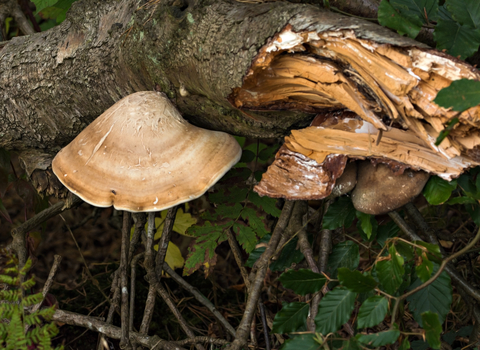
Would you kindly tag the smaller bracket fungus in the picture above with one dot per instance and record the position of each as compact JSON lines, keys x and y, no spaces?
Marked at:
{"x":140,"y":155}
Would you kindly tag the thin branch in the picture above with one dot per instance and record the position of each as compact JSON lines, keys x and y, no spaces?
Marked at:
{"x":265,"y":327}
{"x":164,"y":241}
{"x":434,"y":277}
{"x":237,"y":253}
{"x":200,"y":297}
{"x":200,"y":339}
{"x":261,"y":267}
{"x":94,"y":324}
{"x":124,"y":341}
{"x":450,"y":269}
{"x":133,"y":278}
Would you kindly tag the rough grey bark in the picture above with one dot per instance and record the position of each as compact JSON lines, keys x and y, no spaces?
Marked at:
{"x":53,"y":84}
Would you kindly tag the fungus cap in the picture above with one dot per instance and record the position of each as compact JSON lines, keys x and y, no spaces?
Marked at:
{"x":141,"y":155}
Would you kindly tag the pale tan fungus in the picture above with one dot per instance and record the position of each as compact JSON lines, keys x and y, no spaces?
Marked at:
{"x":140,"y":155}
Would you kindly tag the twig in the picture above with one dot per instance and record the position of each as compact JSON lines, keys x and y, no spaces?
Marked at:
{"x":200,"y":339}
{"x":139,"y":220}
{"x":48,"y":284}
{"x":111,"y":331}
{"x":265,"y":327}
{"x":18,"y":234}
{"x":163,"y":293}
{"x":260,"y":266}
{"x":237,"y":253}
{"x":133,"y":278}
{"x":450,"y":269}
{"x":200,"y":297}
{"x":148,"y":311}
{"x":125,"y":319}
{"x":253,"y":334}
{"x":164,"y":241}
{"x":325,"y":248}
{"x":434,"y":277}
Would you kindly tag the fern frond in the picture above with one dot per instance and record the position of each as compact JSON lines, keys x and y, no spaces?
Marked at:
{"x":16,"y":339}
{"x":10,"y":295}
{"x":29,"y":283}
{"x":11,"y":281}
{"x":33,"y":299}
{"x":11,"y":271}
{"x":26,"y":267}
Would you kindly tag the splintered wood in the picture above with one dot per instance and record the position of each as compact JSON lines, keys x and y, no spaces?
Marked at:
{"x":391,"y":88}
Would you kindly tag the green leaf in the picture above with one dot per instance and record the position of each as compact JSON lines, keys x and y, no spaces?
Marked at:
{"x":389,"y":17}
{"x":445,"y":132}
{"x":339,"y":214}
{"x":405,"y":345}
{"x":458,"y":40}
{"x":245,"y":236}
{"x":365,"y":223}
{"x":254,"y":255}
{"x":303,"y":281}
{"x":432,"y":248}
{"x":437,"y":191}
{"x":380,"y":338}
{"x":290,"y":318}
{"x":424,"y":269}
{"x":418,"y":11}
{"x":344,"y":254}
{"x":474,"y":211}
{"x":355,"y":281}
{"x":405,"y":250}
{"x":303,"y":341}
{"x":41,"y":4}
{"x":433,"y":329}
{"x":265,"y":203}
{"x":460,"y":95}
{"x":255,"y":221}
{"x":183,"y":221}
{"x":461,"y":200}
{"x":372,"y":311}
{"x":334,"y":310}
{"x":351,"y":344}
{"x":290,"y":255}
{"x":387,"y":231}
{"x":436,"y":297}
{"x":465,"y":12}
{"x":390,"y":272}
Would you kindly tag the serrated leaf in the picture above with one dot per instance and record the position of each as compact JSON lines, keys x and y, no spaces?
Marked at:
{"x":438,"y":191}
{"x":390,"y":272}
{"x":355,"y":281}
{"x":436,"y":297}
{"x":289,"y":255}
{"x":466,"y":12}
{"x":380,"y":338}
{"x":418,"y":11}
{"x":290,"y":318}
{"x":458,"y":40}
{"x":258,"y":251}
{"x":231,"y":195}
{"x":303,"y":281}
{"x":372,"y":311}
{"x":245,"y":236}
{"x":387,"y":231}
{"x":424,"y":269}
{"x":344,"y":254}
{"x":365,"y":223}
{"x":433,"y":329}
{"x":460,"y":95}
{"x":389,"y":17}
{"x":266,"y":203}
{"x":334,"y":310}
{"x":303,"y":341}
{"x":339,"y":214}
{"x":255,"y":221}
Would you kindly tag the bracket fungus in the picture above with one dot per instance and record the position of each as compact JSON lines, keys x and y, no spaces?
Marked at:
{"x":374,"y":98}
{"x":140,"y":155}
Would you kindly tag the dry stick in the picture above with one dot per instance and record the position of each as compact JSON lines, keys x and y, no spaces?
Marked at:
{"x":148,"y":262}
{"x":253,"y":333}
{"x":450,"y":269}
{"x":133,"y":277}
{"x":124,"y":341}
{"x":237,"y":253}
{"x":201,"y":339}
{"x":434,"y":277}
{"x":139,"y":221}
{"x":325,"y":248}
{"x":19,"y":233}
{"x":200,"y":297}
{"x":48,"y":284}
{"x":164,"y":294}
{"x":164,"y":241}
{"x":265,"y":327}
{"x":94,"y":324}
{"x":261,"y":267}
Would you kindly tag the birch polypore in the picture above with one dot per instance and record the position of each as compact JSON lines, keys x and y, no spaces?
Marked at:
{"x":141,"y":155}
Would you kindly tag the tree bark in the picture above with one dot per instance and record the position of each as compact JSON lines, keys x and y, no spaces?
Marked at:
{"x":55,"y":83}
